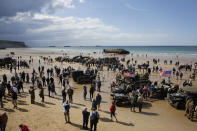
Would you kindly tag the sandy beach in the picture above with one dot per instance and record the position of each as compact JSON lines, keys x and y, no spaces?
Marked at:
{"x":157,"y":115}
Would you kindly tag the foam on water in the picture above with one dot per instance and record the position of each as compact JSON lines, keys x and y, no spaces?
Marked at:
{"x":160,"y":51}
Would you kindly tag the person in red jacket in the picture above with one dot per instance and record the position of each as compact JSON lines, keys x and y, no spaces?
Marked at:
{"x":113,"y":110}
{"x":23,"y":127}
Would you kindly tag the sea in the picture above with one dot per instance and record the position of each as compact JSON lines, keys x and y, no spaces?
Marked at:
{"x":157,"y":51}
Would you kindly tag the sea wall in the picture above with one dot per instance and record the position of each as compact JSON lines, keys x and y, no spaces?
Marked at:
{"x":12,"y":44}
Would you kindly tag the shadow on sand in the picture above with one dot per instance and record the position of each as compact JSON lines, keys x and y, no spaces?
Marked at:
{"x":20,"y":102}
{"x":149,"y":113}
{"x":49,"y":103}
{"x":39,"y":104}
{"x":7,"y":110}
{"x":22,"y":110}
{"x":79,"y":104}
{"x":5,"y":101}
{"x":147,"y":105}
{"x":77,"y":125}
{"x":104,"y":119}
{"x":23,"y":94}
{"x":76,"y":107}
{"x":125,"y":124}
{"x":107,"y":112}
{"x":57,"y":98}
{"x":8,"y":99}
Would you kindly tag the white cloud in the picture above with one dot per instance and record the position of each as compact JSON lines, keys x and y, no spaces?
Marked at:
{"x":45,"y":29}
{"x":11,"y":7}
{"x":55,"y":5}
{"x":62,"y":3}
{"x":81,"y":1}
{"x":70,"y":23}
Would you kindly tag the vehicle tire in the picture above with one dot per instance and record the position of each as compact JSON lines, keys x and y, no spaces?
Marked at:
{"x":118,"y":103}
{"x":179,"y":105}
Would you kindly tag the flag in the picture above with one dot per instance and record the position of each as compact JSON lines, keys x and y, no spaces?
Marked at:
{"x":168,"y":73}
{"x":129,"y":74}
{"x":165,"y":73}
{"x":132,"y":74}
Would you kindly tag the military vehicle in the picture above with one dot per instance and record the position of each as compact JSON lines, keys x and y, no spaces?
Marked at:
{"x":121,"y":99}
{"x":120,"y":93}
{"x":178,"y":100}
{"x":7,"y":61}
{"x":83,"y":78}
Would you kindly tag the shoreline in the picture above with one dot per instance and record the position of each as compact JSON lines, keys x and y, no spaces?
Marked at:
{"x":99,"y":52}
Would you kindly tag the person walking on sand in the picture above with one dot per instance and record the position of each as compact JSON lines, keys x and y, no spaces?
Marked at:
{"x":98,"y":100}
{"x":112,"y":111}
{"x":66,"y":106}
{"x":64,"y":83}
{"x":140,"y":101}
{"x":99,"y":85}
{"x":94,"y":104}
{"x":145,"y":92}
{"x":94,"y":118}
{"x":70,"y":94}
{"x":5,"y":78}
{"x":49,"y":90}
{"x":42,"y":94}
{"x":64,"y":95}
{"x":177,"y":75}
{"x":181,"y":75}
{"x":86,"y":115}
{"x":92,"y":89}
{"x":14,"y":93}
{"x":44,"y":81}
{"x":84,"y":92}
{"x":103,"y":77}
{"x":9,"y":87}
{"x":133,"y":101}
{"x":3,"y":121}
{"x":32,"y":94}
{"x":52,"y":88}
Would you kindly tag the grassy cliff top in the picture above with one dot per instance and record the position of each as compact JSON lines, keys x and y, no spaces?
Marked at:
{"x":11,"y":44}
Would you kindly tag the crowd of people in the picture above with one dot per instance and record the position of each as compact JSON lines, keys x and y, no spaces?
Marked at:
{"x":40,"y":81}
{"x":45,"y":79}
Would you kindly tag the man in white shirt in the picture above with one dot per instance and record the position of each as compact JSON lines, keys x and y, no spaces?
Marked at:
{"x":14,"y":96}
{"x":66,"y":106}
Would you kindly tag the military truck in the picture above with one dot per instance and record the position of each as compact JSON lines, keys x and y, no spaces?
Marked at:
{"x":179,"y":99}
{"x":82,"y":77}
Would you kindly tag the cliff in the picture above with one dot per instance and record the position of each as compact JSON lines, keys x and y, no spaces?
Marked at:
{"x":11,"y":44}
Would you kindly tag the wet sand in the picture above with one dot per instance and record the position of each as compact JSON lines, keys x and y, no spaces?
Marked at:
{"x":157,"y":115}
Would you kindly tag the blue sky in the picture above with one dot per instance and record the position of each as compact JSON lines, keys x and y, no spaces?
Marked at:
{"x":99,"y":22}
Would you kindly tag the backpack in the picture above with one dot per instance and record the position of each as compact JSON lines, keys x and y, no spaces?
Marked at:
{"x":94,"y":117}
{"x":135,"y":99}
{"x":14,"y":94}
{"x":67,"y":107}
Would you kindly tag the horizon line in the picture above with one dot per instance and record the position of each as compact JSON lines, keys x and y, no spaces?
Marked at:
{"x":113,"y":46}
